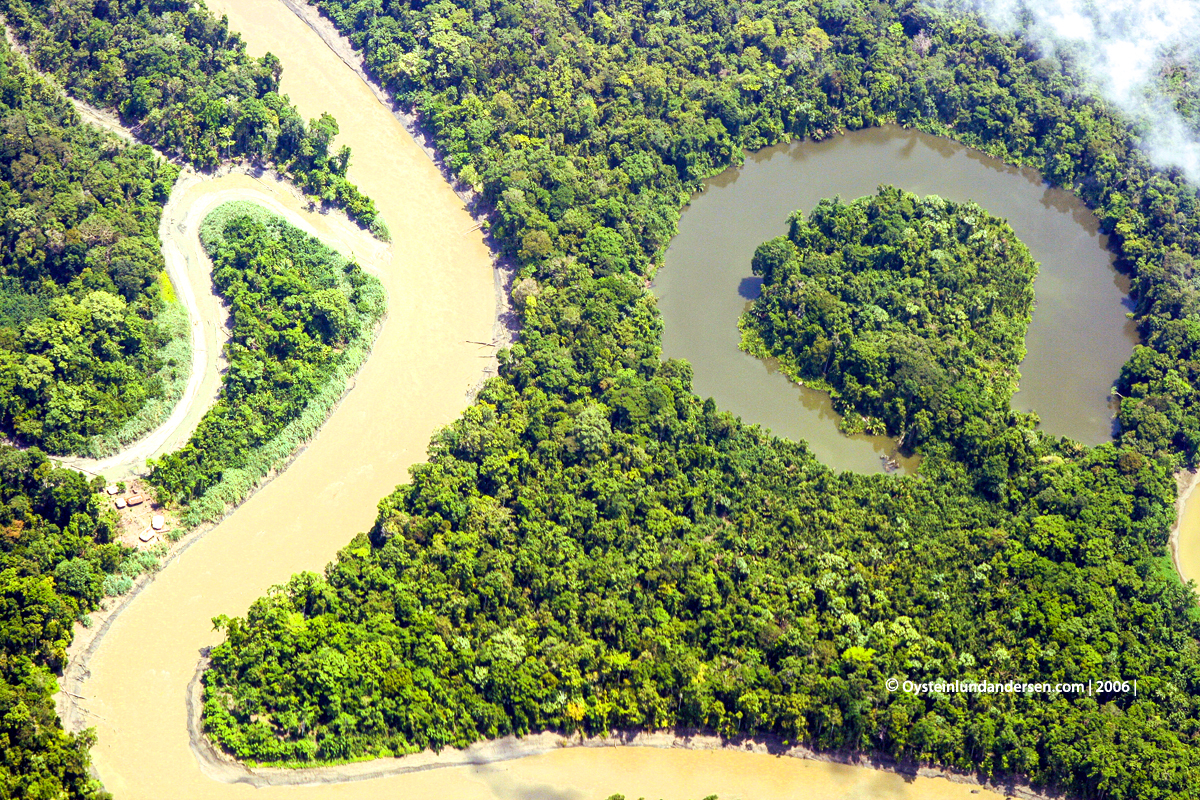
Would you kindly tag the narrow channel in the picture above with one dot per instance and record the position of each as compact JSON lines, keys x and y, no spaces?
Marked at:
{"x":1076,"y":344}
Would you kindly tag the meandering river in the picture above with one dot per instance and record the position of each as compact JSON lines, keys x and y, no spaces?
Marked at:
{"x":440,"y":285}
{"x":1076,"y":344}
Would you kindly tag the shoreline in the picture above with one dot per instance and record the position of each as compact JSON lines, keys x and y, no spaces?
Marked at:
{"x":506,"y":327}
{"x":175,"y":218}
{"x":219,"y":766}
{"x":1186,"y":482}
{"x":69,"y":700}
{"x":81,"y":698}
{"x":188,"y":265}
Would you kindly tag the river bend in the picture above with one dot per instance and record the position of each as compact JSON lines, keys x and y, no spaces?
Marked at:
{"x":1076,"y":344}
{"x":441,"y":297}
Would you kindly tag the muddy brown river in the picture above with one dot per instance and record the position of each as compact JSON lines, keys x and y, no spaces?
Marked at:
{"x":1076,"y":344}
{"x":440,"y":284}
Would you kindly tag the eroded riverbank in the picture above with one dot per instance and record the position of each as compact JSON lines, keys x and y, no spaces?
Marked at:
{"x":827,"y":773}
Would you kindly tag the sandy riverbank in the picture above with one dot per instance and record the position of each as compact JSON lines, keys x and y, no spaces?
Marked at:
{"x":1185,"y":533}
{"x":189,"y":270}
{"x":189,"y":276}
{"x":440,"y":283}
{"x":219,"y":766}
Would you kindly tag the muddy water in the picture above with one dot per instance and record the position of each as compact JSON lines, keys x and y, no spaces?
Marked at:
{"x":1187,"y":534}
{"x":587,"y":774}
{"x":1076,"y":343}
{"x":440,"y":287}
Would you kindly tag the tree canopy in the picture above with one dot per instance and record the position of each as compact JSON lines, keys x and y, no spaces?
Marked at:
{"x":911,"y":312}
{"x":81,"y":274}
{"x":183,"y":81}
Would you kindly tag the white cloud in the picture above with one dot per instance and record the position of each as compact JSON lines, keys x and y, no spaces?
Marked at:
{"x":1120,"y":45}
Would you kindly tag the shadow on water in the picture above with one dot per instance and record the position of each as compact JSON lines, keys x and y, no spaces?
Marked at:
{"x":1076,"y":343}
{"x":505,"y":786}
{"x":750,"y":288}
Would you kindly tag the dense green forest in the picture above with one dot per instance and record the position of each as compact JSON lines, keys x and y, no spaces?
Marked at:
{"x":56,"y":562}
{"x":910,"y":312}
{"x":585,"y":125}
{"x":592,"y":546}
{"x":586,"y":565}
{"x":302,"y":319}
{"x":183,"y":81}
{"x":86,"y":350}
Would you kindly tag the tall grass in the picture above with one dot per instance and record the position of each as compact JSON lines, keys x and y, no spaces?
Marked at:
{"x":134,"y":564}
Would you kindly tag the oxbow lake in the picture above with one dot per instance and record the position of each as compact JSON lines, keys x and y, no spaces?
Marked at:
{"x":1078,"y":340}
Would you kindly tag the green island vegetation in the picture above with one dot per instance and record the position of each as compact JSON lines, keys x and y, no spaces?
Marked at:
{"x":183,"y":82}
{"x":57,"y":560}
{"x":303,"y":318}
{"x":93,"y":349}
{"x":910,"y":312}
{"x":592,"y":546}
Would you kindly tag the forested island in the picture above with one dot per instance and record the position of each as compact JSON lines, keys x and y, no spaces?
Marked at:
{"x":303,"y":317}
{"x":593,"y":547}
{"x":910,"y":311}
